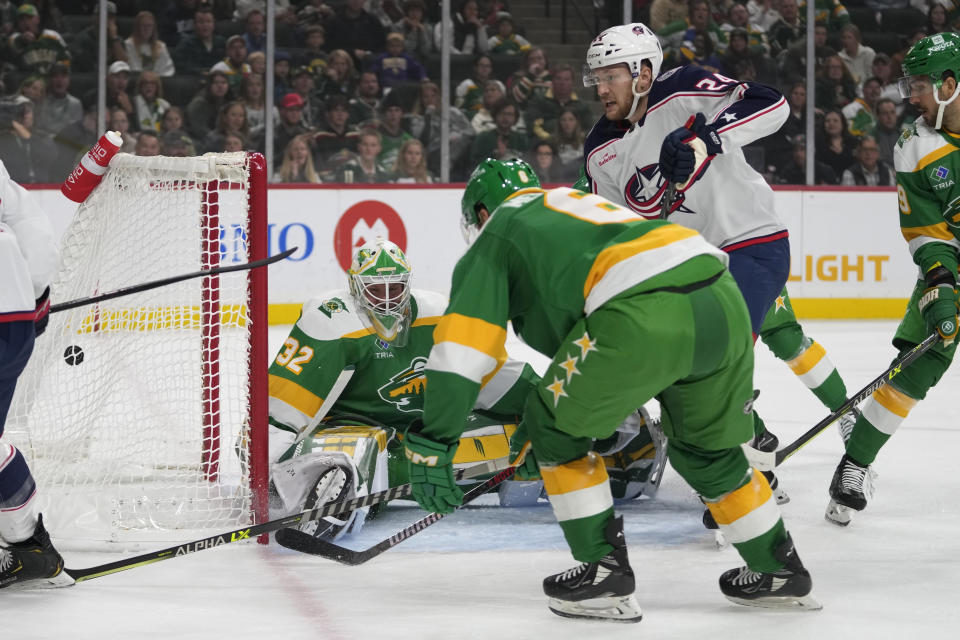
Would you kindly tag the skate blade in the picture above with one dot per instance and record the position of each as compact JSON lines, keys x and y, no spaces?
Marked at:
{"x":803,"y":603}
{"x":838,"y":514}
{"x":610,"y":609}
{"x":56,"y":582}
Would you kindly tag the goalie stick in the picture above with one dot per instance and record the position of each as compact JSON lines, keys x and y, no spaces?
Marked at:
{"x":767,"y":460}
{"x":251,"y":532}
{"x":305,"y":543}
{"x":153,"y":284}
{"x":334,"y":394}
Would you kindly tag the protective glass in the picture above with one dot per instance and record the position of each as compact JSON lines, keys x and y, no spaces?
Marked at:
{"x":593,"y":77}
{"x":915,"y":86}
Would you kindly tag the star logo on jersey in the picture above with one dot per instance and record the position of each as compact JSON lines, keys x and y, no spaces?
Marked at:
{"x":556,"y":388}
{"x":405,"y":389}
{"x":728,"y":117}
{"x":570,"y":366}
{"x":780,"y":303}
{"x":645,"y":190}
{"x":586,"y":345}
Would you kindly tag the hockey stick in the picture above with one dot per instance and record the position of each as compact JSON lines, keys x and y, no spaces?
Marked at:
{"x":146,"y":286}
{"x":249,"y":533}
{"x":668,"y":199}
{"x":338,"y":386}
{"x":767,"y":460}
{"x":305,"y":543}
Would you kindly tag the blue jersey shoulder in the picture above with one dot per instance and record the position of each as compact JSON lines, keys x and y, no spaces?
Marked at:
{"x":604,"y":131}
{"x":688,"y":79}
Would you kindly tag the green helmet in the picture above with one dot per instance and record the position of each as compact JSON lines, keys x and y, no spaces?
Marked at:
{"x":926,"y":65}
{"x":491,"y":183}
{"x":380,"y":285}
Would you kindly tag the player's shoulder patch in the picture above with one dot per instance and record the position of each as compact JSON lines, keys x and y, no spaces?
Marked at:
{"x":329,"y":316}
{"x":918,"y":146}
{"x":430,"y":304}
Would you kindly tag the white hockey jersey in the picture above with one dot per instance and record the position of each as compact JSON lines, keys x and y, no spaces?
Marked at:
{"x":729,"y":203}
{"x":28,"y":255}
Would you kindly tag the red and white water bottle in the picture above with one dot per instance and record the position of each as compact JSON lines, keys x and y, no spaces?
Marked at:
{"x":89,"y":171}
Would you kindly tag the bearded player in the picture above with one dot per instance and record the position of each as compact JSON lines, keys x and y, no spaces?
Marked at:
{"x":687,"y":127}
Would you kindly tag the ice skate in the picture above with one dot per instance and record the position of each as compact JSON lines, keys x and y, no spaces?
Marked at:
{"x":849,"y":489}
{"x":601,"y":590}
{"x":766,"y":441}
{"x":788,"y":588}
{"x":32,"y":564}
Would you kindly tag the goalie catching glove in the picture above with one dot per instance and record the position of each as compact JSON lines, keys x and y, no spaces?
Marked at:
{"x":939,"y":303}
{"x":431,"y":473}
{"x":686,"y":151}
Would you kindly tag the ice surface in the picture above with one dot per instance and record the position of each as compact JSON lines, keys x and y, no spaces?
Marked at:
{"x":893,"y":573}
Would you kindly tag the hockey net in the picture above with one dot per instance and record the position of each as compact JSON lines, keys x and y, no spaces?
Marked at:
{"x":143,"y":417}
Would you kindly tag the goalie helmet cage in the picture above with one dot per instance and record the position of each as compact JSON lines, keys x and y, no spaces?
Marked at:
{"x":143,"y":418}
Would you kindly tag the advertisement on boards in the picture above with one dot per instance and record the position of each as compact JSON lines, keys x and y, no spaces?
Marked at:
{"x":848,"y":256}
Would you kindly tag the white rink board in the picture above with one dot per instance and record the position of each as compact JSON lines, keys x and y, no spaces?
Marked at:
{"x":845,"y":244}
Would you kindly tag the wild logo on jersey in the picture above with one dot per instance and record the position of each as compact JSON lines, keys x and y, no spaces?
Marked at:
{"x":332,"y":306}
{"x":645,"y":190}
{"x":405,"y":389}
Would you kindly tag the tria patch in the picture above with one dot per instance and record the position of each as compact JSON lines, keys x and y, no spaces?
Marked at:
{"x":332,"y":306}
{"x":939,"y":173}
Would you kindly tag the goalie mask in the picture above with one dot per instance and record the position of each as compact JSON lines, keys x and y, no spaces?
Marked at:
{"x":927,"y":65}
{"x":492,"y":182}
{"x":380,"y":286}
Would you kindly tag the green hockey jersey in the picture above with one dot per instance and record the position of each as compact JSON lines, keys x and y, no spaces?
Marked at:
{"x":928,"y":170}
{"x":388,"y":383}
{"x":545,"y":260}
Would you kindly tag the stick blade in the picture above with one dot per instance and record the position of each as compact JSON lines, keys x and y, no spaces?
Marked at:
{"x":305,"y":543}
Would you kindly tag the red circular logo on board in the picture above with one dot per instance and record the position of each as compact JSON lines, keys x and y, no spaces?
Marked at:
{"x":364,"y":222}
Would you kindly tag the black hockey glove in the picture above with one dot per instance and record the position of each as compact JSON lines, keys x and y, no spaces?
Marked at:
{"x":687,"y":149}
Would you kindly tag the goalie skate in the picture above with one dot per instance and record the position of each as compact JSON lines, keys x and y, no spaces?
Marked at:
{"x":601,"y":590}
{"x":333,"y":485}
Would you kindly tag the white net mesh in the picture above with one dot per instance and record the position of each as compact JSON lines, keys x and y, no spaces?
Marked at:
{"x":133,"y":413}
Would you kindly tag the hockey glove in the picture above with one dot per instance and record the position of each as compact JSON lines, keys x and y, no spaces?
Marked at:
{"x":431,"y":473}
{"x":41,"y":313}
{"x":685,"y":151}
{"x":521,"y":455}
{"x":939,"y":303}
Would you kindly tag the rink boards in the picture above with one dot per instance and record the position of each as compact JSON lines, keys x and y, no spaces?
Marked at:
{"x":849,"y":259}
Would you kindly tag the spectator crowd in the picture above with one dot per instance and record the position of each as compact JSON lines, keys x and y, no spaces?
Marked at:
{"x":356,"y":100}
